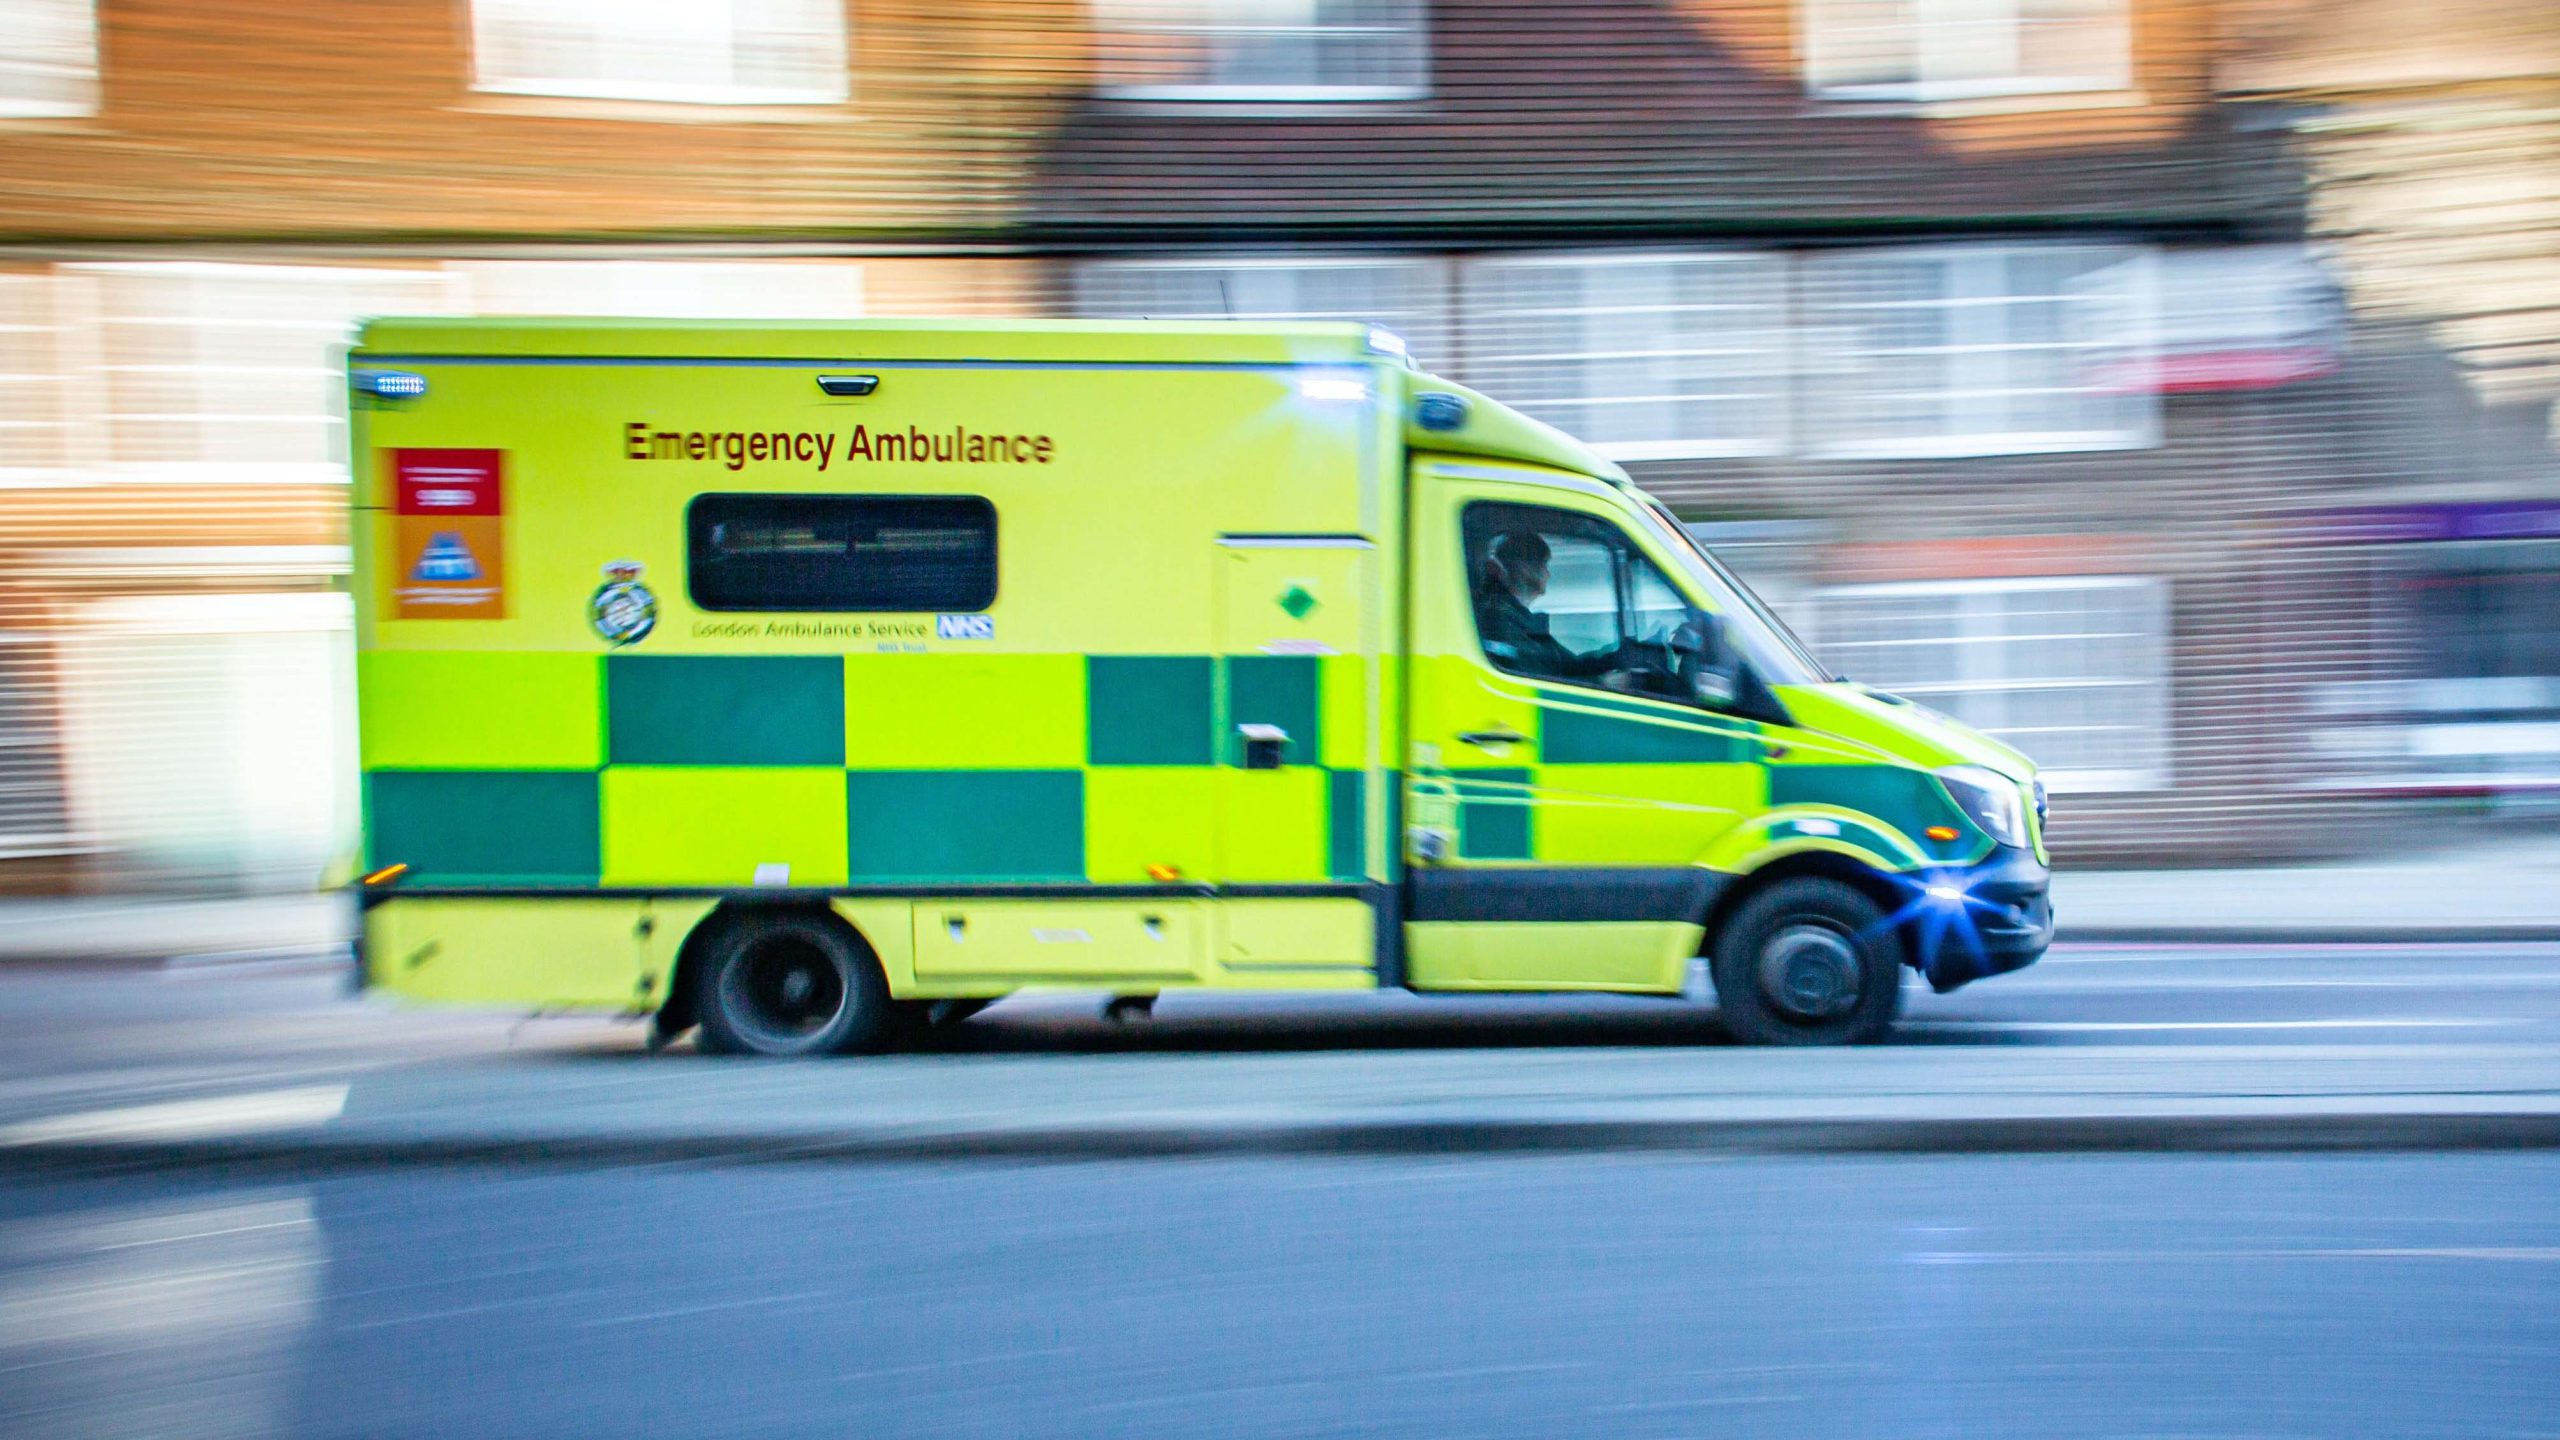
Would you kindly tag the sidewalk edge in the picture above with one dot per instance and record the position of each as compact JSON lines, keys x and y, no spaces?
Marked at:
{"x":2308,"y":934}
{"x":2091,"y":1134}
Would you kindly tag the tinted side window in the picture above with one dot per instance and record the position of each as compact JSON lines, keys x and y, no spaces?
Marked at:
{"x":841,"y":552}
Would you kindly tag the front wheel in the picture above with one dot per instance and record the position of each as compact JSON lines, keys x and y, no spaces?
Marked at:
{"x":789,"y":983}
{"x":1807,"y":962}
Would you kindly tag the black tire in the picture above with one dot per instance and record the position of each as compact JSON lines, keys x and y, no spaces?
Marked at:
{"x":790,"y":982}
{"x":1807,"y":962}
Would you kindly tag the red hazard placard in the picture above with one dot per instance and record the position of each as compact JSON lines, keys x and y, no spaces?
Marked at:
{"x":446,"y":482}
{"x":447,"y":561}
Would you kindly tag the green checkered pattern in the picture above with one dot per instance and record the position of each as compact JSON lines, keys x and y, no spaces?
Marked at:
{"x":633,"y":769}
{"x":1621,"y":782}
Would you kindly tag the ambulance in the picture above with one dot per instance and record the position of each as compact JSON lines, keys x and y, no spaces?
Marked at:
{"x":812,"y":684}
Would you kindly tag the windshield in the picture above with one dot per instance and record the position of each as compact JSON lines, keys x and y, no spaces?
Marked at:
{"x":1764,"y":639}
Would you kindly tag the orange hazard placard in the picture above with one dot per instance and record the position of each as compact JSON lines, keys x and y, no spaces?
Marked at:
{"x":448,"y":560}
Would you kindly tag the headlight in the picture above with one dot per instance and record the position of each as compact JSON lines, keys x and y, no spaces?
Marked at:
{"x":1989,"y":799}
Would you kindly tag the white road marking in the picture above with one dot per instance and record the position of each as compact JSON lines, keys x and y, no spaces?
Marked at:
{"x":2547,"y":980}
{"x":681,"y":1312}
{"x":2045,"y":1026}
{"x":2492,"y":1253}
{"x":255,"y":955}
{"x":251,"y":1113}
{"x":235,"y":964}
{"x":2260,"y":951}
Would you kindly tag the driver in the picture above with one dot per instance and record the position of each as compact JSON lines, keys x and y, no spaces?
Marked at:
{"x":1515,"y":635}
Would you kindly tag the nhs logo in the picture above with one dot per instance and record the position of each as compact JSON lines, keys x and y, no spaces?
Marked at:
{"x":964,"y":627}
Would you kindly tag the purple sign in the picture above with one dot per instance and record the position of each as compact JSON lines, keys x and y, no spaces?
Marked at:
{"x":2486,"y":520}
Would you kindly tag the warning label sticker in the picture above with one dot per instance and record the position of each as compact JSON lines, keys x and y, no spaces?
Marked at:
{"x":447,"y":561}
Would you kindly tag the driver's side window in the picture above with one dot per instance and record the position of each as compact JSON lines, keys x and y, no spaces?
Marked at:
{"x":1564,"y":596}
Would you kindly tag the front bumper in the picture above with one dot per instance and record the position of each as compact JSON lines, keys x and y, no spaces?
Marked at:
{"x":2002,"y":922}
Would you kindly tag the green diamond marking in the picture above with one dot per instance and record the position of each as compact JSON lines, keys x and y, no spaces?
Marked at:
{"x":1297,"y":602}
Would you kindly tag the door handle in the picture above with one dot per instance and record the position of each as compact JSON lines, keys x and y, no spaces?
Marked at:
{"x":1504,"y":736}
{"x":1264,"y":745}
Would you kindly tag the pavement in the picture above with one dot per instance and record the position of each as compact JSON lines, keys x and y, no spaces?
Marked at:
{"x":188,"y":930}
{"x":2507,"y":889}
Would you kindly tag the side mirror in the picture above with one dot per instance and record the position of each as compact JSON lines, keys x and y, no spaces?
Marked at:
{"x":1708,"y":666}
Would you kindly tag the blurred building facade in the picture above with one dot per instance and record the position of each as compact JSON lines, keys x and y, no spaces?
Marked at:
{"x":2071,"y":365}
{"x":2431,"y":134}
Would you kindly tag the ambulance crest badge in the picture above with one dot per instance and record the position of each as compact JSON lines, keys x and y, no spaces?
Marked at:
{"x":623,"y":612}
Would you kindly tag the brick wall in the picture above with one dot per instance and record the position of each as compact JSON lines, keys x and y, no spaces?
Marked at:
{"x":298,"y":119}
{"x":1602,"y":116}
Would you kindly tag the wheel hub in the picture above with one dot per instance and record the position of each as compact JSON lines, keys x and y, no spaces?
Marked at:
{"x":796,"y":987}
{"x":1810,"y":971}
{"x":784,"y":990}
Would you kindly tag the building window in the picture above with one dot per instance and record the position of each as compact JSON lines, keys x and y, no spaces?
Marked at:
{"x":48,"y":58}
{"x":1642,"y":356}
{"x":36,"y":436}
{"x":701,"y":52}
{"x":2239,"y":317}
{"x":1270,"y":50}
{"x":232,"y":372}
{"x":2072,"y":670}
{"x":697,"y":289}
{"x":210,"y":736}
{"x":1409,"y":297}
{"x":1964,"y":49}
{"x":2464,"y":693}
{"x":34,"y":815}
{"x":898,"y":553}
{"x":1946,"y":351}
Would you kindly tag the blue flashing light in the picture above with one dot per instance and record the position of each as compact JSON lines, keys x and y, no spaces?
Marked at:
{"x":390,"y":384}
{"x":1348,"y":385}
{"x":1438,"y":410}
{"x":1940,"y":914}
{"x":1387,"y":342}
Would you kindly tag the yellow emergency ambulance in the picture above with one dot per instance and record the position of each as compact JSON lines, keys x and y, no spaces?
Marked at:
{"x":801,"y":682}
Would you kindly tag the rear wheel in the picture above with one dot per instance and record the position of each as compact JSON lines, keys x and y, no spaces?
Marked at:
{"x":1808,"y":962}
{"x":787,"y":982}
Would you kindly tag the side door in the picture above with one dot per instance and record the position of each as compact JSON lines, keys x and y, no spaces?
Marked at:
{"x":1297,"y":691}
{"x":1560,"y":782}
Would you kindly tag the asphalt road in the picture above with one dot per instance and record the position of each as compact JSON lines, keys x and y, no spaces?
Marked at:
{"x":1549,"y":1294}
{"x":1609,"y":1296}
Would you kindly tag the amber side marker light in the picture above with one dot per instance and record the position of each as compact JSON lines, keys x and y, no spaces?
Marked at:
{"x":1940,"y":832}
{"x":385,"y":875}
{"x":1164,"y":872}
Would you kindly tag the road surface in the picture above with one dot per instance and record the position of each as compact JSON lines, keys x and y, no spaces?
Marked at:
{"x":1547,"y":1296}
{"x":1392,"y":1294}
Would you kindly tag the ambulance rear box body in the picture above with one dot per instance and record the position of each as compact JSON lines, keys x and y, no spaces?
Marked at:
{"x":792,"y":678}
